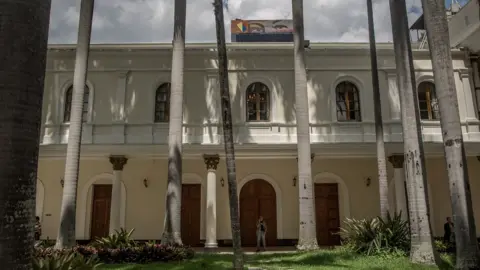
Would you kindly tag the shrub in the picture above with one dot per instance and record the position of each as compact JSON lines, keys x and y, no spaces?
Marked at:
{"x":376,"y":236}
{"x":443,"y":247}
{"x":135,"y":254}
{"x":119,"y":239}
{"x":65,"y":261}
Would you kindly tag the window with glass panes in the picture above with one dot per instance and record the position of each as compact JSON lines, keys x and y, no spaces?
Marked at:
{"x":162,"y":103}
{"x":348,"y":102}
{"x":427,"y":101}
{"x":68,"y":104}
{"x":258,"y":102}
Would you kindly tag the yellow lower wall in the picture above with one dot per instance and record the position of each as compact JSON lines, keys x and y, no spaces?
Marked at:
{"x":145,"y":206}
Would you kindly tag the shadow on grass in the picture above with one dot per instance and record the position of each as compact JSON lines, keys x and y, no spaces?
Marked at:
{"x":320,"y":258}
{"x":298,"y":260}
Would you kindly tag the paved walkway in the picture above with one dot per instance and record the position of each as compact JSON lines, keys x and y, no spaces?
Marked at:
{"x":248,"y":250}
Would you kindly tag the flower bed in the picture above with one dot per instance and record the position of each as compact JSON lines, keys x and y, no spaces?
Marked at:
{"x":138,"y":254}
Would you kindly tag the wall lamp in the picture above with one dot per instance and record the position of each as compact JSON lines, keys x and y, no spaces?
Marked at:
{"x":62,"y":182}
{"x":222,"y":182}
{"x":368,"y":181}
{"x":294,"y":181}
{"x":145,"y":182}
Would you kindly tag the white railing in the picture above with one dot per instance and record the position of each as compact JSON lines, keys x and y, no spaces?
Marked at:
{"x":246,"y":133}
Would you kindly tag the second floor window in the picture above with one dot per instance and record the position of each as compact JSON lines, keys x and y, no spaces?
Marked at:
{"x":258,"y":105}
{"x":427,"y":101}
{"x":348,"y":102}
{"x":68,"y":104}
{"x":162,"y":103}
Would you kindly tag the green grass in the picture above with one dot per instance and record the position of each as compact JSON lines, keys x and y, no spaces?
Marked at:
{"x":324,"y":259}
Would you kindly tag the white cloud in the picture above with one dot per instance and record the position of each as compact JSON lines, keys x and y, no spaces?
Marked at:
{"x":151,"y":20}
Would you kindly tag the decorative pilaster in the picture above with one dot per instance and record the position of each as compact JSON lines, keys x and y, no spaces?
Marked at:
{"x":397,"y":161}
{"x":211,"y":162}
{"x":118,"y":163}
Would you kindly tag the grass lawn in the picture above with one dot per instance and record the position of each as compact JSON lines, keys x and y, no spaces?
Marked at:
{"x":324,"y":259}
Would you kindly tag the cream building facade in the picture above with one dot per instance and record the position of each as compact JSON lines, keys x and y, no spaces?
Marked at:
{"x":123,"y":167}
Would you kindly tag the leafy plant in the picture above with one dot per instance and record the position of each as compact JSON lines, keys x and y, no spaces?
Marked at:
{"x":54,"y":262}
{"x":44,"y":243}
{"x":376,"y":236}
{"x":443,"y":247}
{"x":66,"y":261}
{"x":119,"y":239}
{"x":136,"y":254}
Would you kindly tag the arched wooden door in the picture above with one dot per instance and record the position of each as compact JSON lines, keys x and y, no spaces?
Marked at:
{"x":101,"y":203}
{"x":258,"y":198}
{"x":328,"y":214}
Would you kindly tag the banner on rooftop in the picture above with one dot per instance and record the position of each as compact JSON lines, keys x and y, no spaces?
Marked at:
{"x":261,"y":26}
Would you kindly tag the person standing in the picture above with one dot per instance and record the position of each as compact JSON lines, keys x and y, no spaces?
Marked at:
{"x":448,"y":235}
{"x":38,"y":228}
{"x":261,"y":232}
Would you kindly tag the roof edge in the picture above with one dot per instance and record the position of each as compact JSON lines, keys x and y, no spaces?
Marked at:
{"x":239,"y":45}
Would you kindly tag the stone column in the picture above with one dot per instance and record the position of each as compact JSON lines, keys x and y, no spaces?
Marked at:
{"x":118,"y":163}
{"x":476,"y":82}
{"x":399,"y":184}
{"x":211,"y":161}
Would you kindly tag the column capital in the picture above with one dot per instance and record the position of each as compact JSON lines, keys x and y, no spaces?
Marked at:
{"x":211,"y":161}
{"x":123,"y":73}
{"x":118,"y":162}
{"x":396,"y":160}
{"x":312,"y":157}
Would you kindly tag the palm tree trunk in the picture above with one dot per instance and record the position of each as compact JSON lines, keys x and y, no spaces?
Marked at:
{"x":468,"y":255}
{"x":172,"y":225}
{"x":226,"y":107}
{"x":21,"y":93}
{"x":381,"y":159}
{"x":307,"y":235}
{"x":422,"y":248}
{"x":66,"y":232}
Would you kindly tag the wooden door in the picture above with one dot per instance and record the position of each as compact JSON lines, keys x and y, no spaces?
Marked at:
{"x":101,"y":201}
{"x":258,"y":198}
{"x":190,"y":216}
{"x":327,"y":214}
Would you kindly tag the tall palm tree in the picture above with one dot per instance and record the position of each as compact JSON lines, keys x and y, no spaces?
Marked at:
{"x":23,"y":49}
{"x":172,"y":225}
{"x":226,"y":107}
{"x":422,"y":248}
{"x":381,"y":160}
{"x":66,"y":232}
{"x":307,"y":236}
{"x":468,"y":255}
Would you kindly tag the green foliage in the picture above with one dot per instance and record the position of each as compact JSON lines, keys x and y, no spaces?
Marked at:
{"x":443,"y":247}
{"x":44,"y":243}
{"x":136,"y":254}
{"x":119,"y":239}
{"x":65,"y":261}
{"x":376,"y":236}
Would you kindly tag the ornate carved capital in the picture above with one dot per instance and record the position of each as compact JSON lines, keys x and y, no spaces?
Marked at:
{"x":118,"y":162}
{"x":312,"y":157}
{"x":396,"y":160}
{"x":211,"y":161}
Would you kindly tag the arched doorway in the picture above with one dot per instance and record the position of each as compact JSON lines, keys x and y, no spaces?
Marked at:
{"x":258,"y":198}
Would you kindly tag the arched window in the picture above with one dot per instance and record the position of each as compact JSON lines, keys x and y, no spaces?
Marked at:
{"x":68,"y":104}
{"x":162,"y":103}
{"x":348,"y":102}
{"x":258,"y":105}
{"x":427,"y":101}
